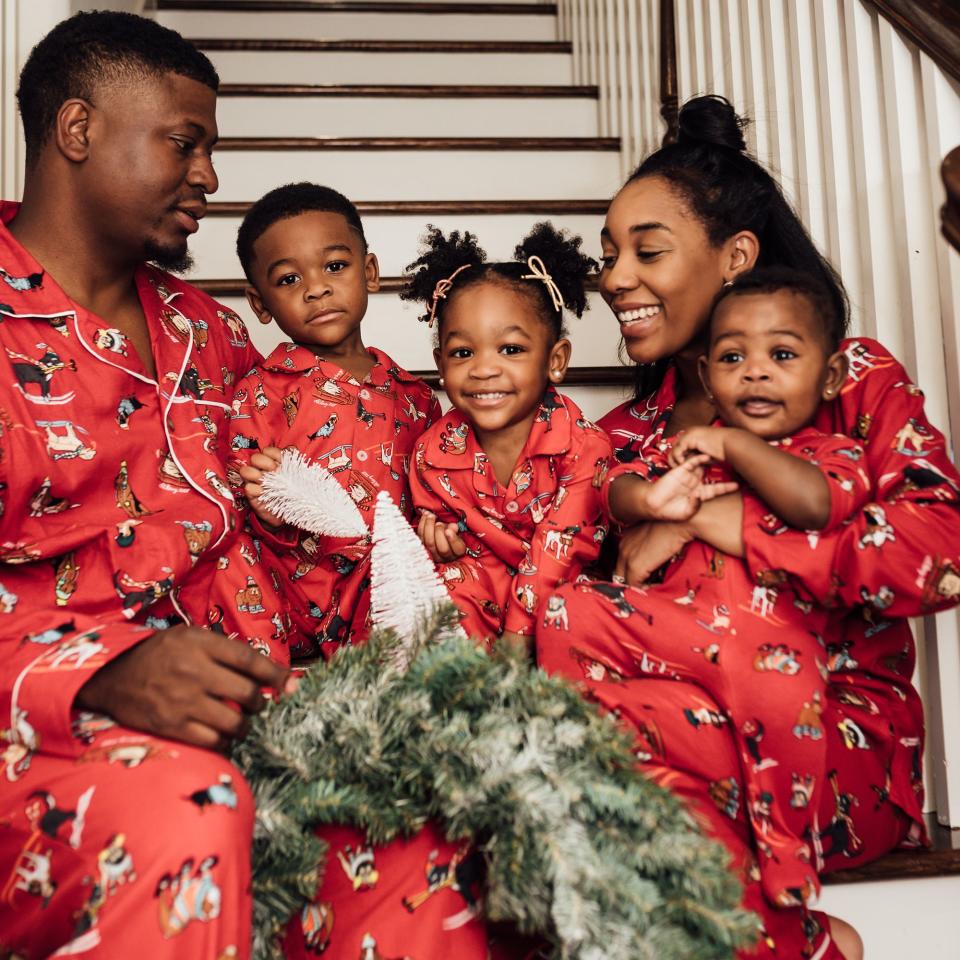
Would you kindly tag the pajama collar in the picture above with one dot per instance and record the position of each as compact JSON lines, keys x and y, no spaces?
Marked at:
{"x":294,"y":359}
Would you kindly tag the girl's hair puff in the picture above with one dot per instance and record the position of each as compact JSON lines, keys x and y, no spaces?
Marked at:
{"x":559,"y":252}
{"x":728,"y":191}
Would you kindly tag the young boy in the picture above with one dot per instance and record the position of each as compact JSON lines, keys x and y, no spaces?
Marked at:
{"x":757,"y":648}
{"x":346,"y":406}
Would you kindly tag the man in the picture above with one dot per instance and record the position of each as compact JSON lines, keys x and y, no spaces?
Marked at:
{"x":114,"y":390}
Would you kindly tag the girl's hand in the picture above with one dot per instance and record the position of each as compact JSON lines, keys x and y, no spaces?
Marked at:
{"x":442,"y":540}
{"x":677,"y":495}
{"x":707,"y":441}
{"x":646,"y":548}
{"x":266,"y":461}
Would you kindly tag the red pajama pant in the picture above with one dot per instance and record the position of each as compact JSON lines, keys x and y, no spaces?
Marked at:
{"x":685,"y":744}
{"x":139,"y":847}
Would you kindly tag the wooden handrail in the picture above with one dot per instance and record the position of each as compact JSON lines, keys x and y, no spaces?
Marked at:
{"x":950,"y":213}
{"x":933,"y":25}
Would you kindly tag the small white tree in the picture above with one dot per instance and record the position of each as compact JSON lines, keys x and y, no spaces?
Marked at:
{"x":405,"y":587}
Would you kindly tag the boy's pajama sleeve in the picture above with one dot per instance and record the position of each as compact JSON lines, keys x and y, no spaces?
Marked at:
{"x":901,"y":551}
{"x":569,"y":536}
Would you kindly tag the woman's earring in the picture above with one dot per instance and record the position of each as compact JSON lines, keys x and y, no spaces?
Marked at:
{"x":727,"y":283}
{"x":441,"y":383}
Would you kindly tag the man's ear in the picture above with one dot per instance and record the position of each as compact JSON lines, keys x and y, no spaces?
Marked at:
{"x":740,"y":254}
{"x":371,"y":269}
{"x":703,"y":368}
{"x":837,"y":366}
{"x":72,"y":129}
{"x":559,"y":360}
{"x":256,"y":305}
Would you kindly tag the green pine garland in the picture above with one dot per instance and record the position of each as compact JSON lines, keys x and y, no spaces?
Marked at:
{"x":579,"y":847}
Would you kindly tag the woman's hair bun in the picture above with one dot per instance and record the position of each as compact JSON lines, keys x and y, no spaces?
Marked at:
{"x":711,"y":120}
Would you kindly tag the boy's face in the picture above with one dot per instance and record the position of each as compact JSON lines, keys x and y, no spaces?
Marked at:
{"x":312,"y":277}
{"x":768,"y":367}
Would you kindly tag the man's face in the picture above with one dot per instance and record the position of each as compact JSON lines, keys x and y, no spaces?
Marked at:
{"x":149,"y":166}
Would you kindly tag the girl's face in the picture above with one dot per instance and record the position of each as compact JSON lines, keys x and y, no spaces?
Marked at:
{"x":496,"y":357}
{"x":660,"y":272}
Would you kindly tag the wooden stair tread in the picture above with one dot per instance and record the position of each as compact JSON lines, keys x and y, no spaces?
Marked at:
{"x":382,"y":46}
{"x":361,"y":6}
{"x":941,"y":860}
{"x":234,"y":287}
{"x":435,"y":208}
{"x":419,"y":143}
{"x":440,"y":91}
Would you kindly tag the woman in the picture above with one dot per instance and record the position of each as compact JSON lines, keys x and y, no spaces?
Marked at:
{"x":692,"y":217}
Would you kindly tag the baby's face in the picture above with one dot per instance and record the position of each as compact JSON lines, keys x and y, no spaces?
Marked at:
{"x":767,"y":364}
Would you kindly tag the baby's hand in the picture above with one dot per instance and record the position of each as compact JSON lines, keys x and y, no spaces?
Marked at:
{"x":442,"y":540}
{"x":699,"y":440}
{"x":266,"y":461}
{"x":677,"y":495}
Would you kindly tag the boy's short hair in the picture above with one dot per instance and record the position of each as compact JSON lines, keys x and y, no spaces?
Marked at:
{"x":291,"y":200}
{"x":90,"y":49}
{"x":833,"y":325}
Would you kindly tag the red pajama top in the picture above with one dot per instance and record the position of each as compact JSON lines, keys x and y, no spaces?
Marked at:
{"x":540,"y":529}
{"x":363,"y":433}
{"x":114,"y":500}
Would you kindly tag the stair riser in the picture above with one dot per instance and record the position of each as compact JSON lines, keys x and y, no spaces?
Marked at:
{"x":426,"y":174}
{"x":395,"y":240}
{"x":364,"y":26}
{"x":245,"y":66}
{"x":406,"y":117}
{"x":392,"y":325}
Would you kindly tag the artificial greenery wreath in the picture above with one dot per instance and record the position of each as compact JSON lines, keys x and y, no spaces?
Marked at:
{"x":579,"y":847}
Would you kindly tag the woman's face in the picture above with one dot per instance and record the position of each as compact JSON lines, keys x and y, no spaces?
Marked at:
{"x":660,"y":272}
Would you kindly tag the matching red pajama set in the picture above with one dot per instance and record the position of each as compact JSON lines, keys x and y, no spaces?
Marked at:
{"x":897,"y":558}
{"x":757,"y":648}
{"x":116,"y":515}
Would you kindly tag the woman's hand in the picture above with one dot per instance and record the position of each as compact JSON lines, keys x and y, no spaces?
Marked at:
{"x":647,"y":547}
{"x":442,"y":540}
{"x":266,"y":461}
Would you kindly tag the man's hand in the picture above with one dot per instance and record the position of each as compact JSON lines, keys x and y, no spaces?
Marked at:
{"x":677,"y":495}
{"x":709,"y":441}
{"x":182,"y":683}
{"x":442,"y":540}
{"x":266,"y":461}
{"x":647,"y":547}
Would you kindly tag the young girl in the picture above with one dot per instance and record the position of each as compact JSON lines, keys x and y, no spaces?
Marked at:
{"x":513,"y":469}
{"x":755,"y":647}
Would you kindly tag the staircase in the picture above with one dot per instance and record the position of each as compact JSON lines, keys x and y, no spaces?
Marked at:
{"x":460,"y":114}
{"x":464,"y":114}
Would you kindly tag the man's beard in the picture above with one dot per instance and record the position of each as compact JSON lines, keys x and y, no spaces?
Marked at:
{"x":173,"y":261}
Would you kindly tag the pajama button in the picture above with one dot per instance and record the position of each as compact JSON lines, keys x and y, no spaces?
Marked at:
{"x":513,"y":506}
